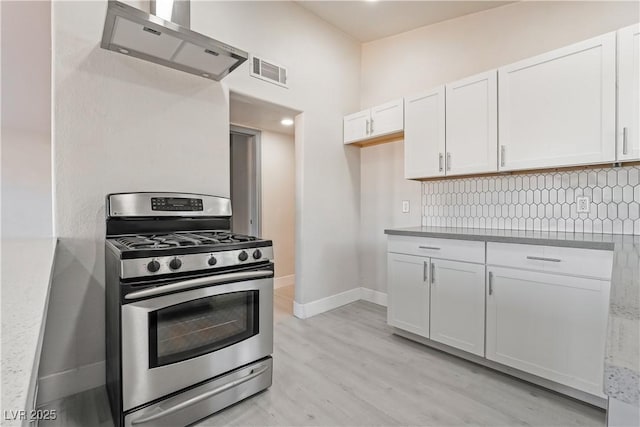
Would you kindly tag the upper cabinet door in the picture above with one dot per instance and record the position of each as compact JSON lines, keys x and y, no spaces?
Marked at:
{"x":387,"y":118}
{"x":629,"y":93}
{"x":356,"y":126}
{"x":472,"y":125}
{"x":558,"y":109}
{"x":424,"y":134}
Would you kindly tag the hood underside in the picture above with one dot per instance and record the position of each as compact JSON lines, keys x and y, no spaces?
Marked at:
{"x":133,"y":32}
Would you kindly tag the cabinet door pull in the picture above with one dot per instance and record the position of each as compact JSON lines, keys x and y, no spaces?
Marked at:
{"x":367,"y":127}
{"x":448,"y":161}
{"x":490,"y":283}
{"x":424,"y":272}
{"x":429,"y":247}
{"x":624,"y":140}
{"x":371,"y":127}
{"x":502,"y":150}
{"x":440,"y":158}
{"x":433,"y":272}
{"x":539,"y":258}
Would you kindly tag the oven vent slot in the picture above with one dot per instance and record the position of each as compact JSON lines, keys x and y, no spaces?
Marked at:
{"x":268,"y":71}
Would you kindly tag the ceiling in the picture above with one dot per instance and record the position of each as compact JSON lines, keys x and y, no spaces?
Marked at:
{"x":257,"y":114}
{"x":371,"y":20}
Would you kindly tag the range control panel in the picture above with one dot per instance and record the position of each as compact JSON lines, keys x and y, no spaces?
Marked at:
{"x":175,"y":204}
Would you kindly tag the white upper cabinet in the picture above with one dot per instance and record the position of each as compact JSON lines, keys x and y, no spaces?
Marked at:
{"x":356,"y":126}
{"x":385,"y":119}
{"x":629,"y":93}
{"x":424,"y":134}
{"x":558,"y":109}
{"x":472,"y":125}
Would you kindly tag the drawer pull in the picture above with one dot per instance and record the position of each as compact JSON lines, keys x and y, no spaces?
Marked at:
{"x":539,"y":258}
{"x":429,"y":247}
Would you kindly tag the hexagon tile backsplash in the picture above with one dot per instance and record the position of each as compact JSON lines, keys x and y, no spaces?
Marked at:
{"x":538,"y":201}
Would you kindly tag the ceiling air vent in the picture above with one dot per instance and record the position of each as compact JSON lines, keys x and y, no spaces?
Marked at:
{"x":268,"y":71}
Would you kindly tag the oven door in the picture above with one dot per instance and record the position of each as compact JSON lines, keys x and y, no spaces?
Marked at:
{"x":174,"y":341}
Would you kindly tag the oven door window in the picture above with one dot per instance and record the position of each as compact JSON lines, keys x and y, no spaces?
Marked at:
{"x":201,"y":326}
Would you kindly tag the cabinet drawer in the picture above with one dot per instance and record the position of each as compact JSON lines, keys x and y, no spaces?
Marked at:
{"x":552,"y":259}
{"x":460,"y":250}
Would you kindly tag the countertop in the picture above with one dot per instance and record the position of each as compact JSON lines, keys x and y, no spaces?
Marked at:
{"x":622,"y":355}
{"x":26,"y":276}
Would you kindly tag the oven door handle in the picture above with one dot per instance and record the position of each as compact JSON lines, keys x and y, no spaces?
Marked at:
{"x":203,"y":396}
{"x":192,"y":283}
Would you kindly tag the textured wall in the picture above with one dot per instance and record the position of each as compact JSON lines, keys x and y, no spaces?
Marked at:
{"x":542,"y":201}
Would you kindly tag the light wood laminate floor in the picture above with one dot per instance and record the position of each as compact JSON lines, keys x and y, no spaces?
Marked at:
{"x":283,"y":303}
{"x":345,"y":368}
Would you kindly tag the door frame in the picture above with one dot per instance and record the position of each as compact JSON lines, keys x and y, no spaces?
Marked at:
{"x":256,"y":175}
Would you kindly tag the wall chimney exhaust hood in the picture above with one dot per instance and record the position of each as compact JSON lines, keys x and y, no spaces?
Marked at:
{"x":164,"y":37}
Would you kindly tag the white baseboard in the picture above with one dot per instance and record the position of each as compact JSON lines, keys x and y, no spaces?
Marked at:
{"x":280,"y":282}
{"x":62,"y":384}
{"x":375,"y":297}
{"x":304,"y":311}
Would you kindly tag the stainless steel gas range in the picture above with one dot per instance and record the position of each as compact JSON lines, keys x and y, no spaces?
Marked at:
{"x":189,"y":309}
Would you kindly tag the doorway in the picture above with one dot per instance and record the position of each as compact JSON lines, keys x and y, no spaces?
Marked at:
{"x":244,"y":152}
{"x":263,"y":185}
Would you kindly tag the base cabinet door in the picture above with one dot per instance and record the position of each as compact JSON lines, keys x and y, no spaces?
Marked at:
{"x":457,"y":304}
{"x":408,"y":293}
{"x":549,"y":325}
{"x":629,"y":93}
{"x":558,"y":109}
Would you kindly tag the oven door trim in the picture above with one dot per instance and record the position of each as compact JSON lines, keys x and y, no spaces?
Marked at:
{"x":141,"y":384}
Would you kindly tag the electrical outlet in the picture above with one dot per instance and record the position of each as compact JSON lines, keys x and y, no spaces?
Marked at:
{"x":405,"y":206}
{"x":583,"y":203}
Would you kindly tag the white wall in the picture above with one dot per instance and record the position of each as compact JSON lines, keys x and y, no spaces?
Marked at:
{"x":121,"y":124}
{"x":425,"y":57}
{"x":278,"y":198}
{"x":26,"y":122}
{"x":324,"y":71}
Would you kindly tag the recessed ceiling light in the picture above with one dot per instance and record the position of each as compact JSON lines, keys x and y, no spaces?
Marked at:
{"x":125,"y":51}
{"x":286,"y":122}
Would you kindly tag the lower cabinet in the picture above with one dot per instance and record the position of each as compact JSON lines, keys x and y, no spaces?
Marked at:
{"x":541,"y":310}
{"x":408,"y":299}
{"x":549,"y":325}
{"x":457,"y":304}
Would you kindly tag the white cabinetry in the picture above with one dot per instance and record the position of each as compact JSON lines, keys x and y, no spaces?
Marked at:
{"x":629,"y":93}
{"x":558,"y":109}
{"x":385,"y":119}
{"x":408,"y":299}
{"x":551,"y":322}
{"x":457,"y":304}
{"x":356,"y":126}
{"x":472,"y":125}
{"x":424,"y":134}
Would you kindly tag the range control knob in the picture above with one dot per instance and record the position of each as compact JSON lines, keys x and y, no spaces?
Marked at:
{"x":257,"y":254}
{"x":153,"y":266}
{"x":212,"y":261}
{"x":243,"y":256}
{"x":175,"y":264}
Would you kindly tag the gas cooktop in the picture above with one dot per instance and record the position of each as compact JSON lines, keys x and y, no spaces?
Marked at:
{"x":174,"y":240}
